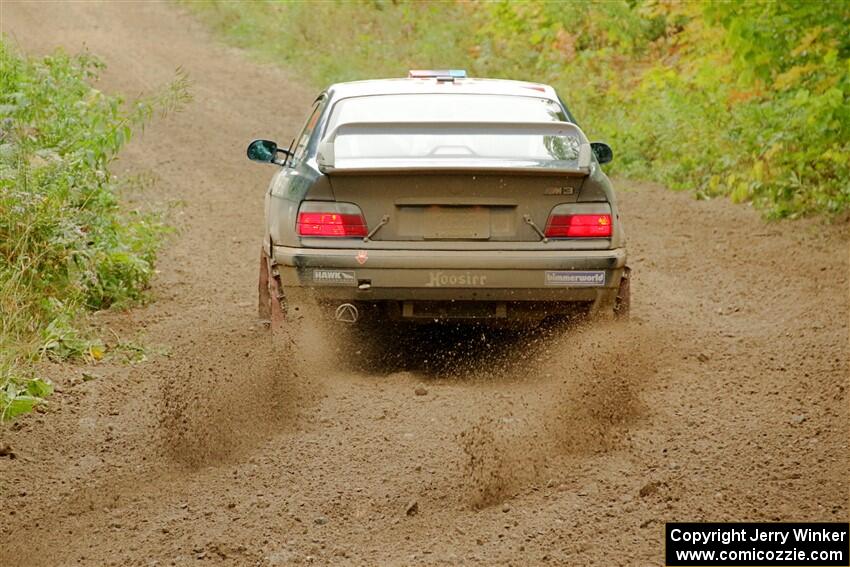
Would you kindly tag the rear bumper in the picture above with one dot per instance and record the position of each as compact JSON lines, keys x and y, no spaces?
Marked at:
{"x":449,"y":275}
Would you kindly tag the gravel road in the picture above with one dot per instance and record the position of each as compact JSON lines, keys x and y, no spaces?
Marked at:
{"x":725,"y":398}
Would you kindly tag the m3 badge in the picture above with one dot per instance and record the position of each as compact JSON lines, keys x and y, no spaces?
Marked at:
{"x":559,"y":190}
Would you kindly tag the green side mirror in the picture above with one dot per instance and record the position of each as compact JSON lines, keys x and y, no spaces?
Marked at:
{"x":602,"y":151}
{"x":262,"y":150}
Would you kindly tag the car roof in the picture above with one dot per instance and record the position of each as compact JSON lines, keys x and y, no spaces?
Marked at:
{"x":430,"y":85}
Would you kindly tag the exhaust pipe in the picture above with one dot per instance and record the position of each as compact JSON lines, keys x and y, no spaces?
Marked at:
{"x":347,"y":313}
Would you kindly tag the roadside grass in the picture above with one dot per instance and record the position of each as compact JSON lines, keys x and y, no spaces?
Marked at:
{"x":746,"y":101}
{"x":69,"y":245}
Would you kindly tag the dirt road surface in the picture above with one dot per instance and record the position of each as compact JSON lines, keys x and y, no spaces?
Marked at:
{"x":725,"y":398}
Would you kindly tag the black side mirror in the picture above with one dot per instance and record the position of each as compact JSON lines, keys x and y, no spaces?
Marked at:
{"x":266,"y":151}
{"x":602,"y":151}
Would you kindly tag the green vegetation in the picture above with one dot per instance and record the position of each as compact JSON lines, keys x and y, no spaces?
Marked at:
{"x":66,"y":244}
{"x":748,"y":100}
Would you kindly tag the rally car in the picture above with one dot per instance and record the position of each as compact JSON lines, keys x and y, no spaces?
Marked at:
{"x":437,"y":197}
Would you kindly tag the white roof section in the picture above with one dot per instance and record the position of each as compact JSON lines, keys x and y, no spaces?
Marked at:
{"x":429,"y":85}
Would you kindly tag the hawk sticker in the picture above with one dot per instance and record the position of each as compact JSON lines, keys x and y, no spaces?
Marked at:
{"x":334,"y":277}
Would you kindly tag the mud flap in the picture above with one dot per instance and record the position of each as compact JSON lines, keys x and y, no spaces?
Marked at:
{"x":277,"y":305}
{"x":263,"y":295}
{"x":272,"y":300}
{"x":622,"y":304}
{"x":286,"y":317}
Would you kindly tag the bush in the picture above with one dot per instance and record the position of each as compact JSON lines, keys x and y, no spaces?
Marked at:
{"x":745,"y":100}
{"x":66,"y":243}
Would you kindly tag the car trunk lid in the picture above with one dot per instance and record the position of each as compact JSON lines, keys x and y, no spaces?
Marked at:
{"x":464,"y":205}
{"x":455,"y":181}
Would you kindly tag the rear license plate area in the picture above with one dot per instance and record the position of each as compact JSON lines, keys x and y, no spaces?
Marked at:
{"x":467,"y":223}
{"x":454,"y":310}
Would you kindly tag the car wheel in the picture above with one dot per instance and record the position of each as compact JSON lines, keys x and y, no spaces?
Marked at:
{"x":622,"y":304}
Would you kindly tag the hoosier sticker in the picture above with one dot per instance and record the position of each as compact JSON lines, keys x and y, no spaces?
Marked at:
{"x":334,"y":277}
{"x":595,"y":278}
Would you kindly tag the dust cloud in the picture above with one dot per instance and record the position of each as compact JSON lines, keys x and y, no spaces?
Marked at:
{"x":587,"y":394}
{"x":220,"y":400}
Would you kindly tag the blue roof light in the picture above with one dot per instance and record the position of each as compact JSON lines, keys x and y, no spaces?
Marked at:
{"x":439,"y":74}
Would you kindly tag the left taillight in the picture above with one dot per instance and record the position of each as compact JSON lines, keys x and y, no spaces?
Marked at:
{"x":331,"y":219}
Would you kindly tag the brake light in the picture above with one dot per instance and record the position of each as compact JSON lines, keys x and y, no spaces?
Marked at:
{"x":336,"y":220}
{"x":578,"y":226}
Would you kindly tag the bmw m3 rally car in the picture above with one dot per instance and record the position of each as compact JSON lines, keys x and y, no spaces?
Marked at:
{"x":436,"y":197}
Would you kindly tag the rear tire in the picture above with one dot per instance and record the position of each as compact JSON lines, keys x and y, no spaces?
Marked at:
{"x":623,"y":302}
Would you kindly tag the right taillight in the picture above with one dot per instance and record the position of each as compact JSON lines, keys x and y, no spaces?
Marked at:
{"x":578,"y":226}
{"x":331,"y":219}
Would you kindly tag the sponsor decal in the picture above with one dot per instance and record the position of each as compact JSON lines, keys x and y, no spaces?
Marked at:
{"x":334,"y":277}
{"x":594,"y":278}
{"x":361,"y":257}
{"x":454,"y":279}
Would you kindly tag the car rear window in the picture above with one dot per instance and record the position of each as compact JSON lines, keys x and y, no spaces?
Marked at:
{"x":403,"y":143}
{"x":445,"y":108}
